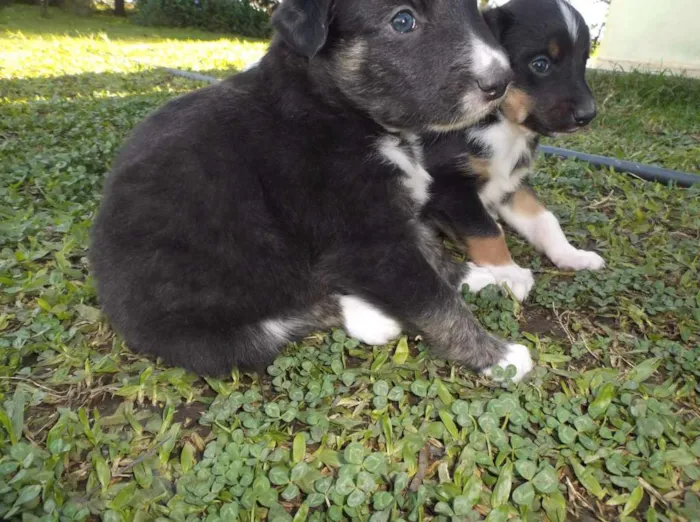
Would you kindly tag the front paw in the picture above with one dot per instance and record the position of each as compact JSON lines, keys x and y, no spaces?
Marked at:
{"x":518,"y":279}
{"x":478,"y":278}
{"x":576,"y":259}
{"x":516,"y":355}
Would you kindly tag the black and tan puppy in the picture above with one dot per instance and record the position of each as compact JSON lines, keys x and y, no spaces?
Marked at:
{"x":287,"y":198}
{"x":480,"y":173}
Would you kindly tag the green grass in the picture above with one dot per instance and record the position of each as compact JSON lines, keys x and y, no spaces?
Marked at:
{"x":606,"y":428}
{"x":644,"y":118}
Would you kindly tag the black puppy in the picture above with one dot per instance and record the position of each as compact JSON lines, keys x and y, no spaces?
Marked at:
{"x":480,"y":174}
{"x":287,"y":198}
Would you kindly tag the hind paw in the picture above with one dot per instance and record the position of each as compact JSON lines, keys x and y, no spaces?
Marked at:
{"x":366,"y":323}
{"x":518,"y":356}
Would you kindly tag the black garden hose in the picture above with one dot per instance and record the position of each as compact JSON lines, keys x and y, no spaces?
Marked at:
{"x":190,"y":75}
{"x":646,"y":172}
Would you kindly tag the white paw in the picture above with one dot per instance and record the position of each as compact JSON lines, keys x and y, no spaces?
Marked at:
{"x":518,"y":279}
{"x":517,"y":355}
{"x":479,"y":277}
{"x":366,"y":323}
{"x":575,"y":259}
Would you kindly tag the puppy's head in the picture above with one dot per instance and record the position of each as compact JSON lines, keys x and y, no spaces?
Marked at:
{"x":548,"y":44}
{"x":410,"y":64}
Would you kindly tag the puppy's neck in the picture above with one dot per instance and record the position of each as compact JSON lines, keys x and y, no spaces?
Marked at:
{"x":518,"y":127}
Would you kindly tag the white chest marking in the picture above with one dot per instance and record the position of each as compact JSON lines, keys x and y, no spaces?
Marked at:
{"x":407,"y":155}
{"x":508,"y":142}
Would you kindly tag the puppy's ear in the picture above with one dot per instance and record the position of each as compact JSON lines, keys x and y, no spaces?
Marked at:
{"x":303,"y":24}
{"x":498,"y":20}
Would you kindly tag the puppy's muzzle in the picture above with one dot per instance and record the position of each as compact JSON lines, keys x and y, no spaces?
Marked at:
{"x":491,"y":69}
{"x":495,"y":84}
{"x":584,"y":112}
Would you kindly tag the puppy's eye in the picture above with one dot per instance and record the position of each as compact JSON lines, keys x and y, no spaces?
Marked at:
{"x":403,"y":22}
{"x":541,"y":65}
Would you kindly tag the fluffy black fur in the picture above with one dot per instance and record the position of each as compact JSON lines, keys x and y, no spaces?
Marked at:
{"x":236,"y":215}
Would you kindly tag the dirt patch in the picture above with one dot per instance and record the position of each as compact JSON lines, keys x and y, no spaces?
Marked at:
{"x":38,"y":419}
{"x":106,"y":404}
{"x":539,"y":321}
{"x":189,"y":414}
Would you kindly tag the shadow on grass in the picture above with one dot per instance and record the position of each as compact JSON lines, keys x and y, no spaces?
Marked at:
{"x":107,"y":84}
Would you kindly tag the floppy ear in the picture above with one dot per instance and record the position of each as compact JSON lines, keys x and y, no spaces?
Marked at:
{"x":498,"y":21}
{"x":303,"y":24}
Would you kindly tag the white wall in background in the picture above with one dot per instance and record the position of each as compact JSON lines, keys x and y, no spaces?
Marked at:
{"x":652,"y":35}
{"x":643,"y":34}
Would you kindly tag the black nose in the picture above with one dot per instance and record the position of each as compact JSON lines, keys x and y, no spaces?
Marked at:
{"x":494,"y":88}
{"x":584,"y":115}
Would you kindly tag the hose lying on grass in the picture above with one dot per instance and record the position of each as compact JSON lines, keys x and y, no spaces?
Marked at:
{"x":646,"y":172}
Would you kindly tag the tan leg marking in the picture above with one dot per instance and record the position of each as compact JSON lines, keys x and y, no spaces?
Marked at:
{"x":489,"y":250}
{"x":517,"y":105}
{"x":524,"y":202}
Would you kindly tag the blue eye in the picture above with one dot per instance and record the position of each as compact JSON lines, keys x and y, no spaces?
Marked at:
{"x":541,"y":65}
{"x":403,"y":22}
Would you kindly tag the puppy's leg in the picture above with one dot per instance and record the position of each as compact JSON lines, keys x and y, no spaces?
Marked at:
{"x":396,"y":278}
{"x":491,"y":258}
{"x":538,"y":226}
{"x":367,"y":323}
{"x":456,"y":209}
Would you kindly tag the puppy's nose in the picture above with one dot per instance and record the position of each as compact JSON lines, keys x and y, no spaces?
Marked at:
{"x":491,"y":68}
{"x":494,"y":88}
{"x":584,"y":114}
